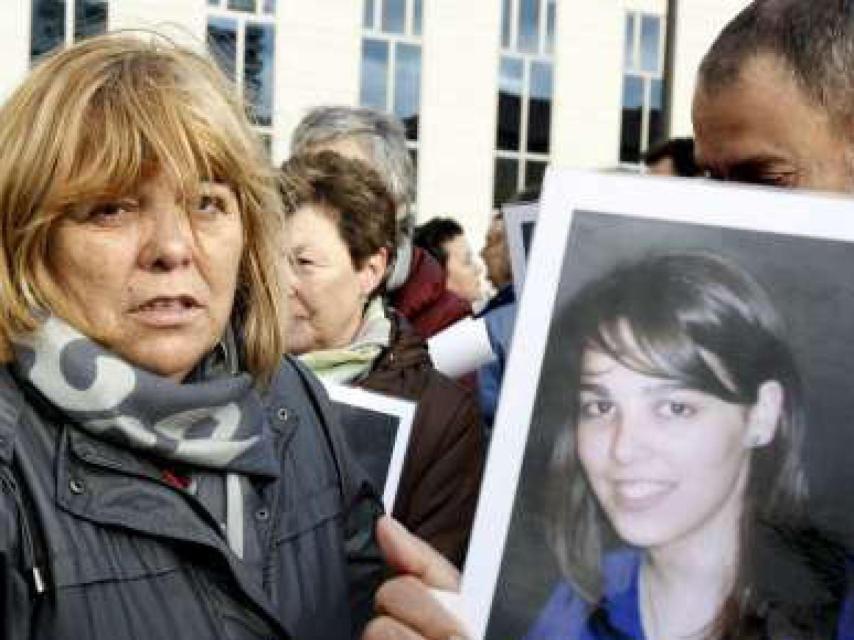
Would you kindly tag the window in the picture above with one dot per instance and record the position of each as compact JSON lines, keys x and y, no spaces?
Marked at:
{"x":242,"y":39}
{"x":525,"y":91}
{"x":60,"y":22}
{"x":391,"y":60}
{"x":643,"y":86}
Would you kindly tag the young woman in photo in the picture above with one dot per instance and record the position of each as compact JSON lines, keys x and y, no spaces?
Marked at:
{"x":677,"y":490}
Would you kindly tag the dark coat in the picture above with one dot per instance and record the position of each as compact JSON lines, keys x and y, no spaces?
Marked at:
{"x":424,"y":299}
{"x":126,"y":555}
{"x":441,"y":476}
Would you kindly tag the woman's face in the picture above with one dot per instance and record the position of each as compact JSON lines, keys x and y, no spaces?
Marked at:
{"x":463,"y":271}
{"x":327,"y":293}
{"x":668,"y":464}
{"x":154,"y":280}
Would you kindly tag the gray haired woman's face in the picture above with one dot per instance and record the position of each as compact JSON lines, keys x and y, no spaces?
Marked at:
{"x":152,"y":276}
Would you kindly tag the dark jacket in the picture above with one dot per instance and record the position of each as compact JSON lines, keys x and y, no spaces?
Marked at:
{"x":441,"y":476}
{"x":424,"y":300}
{"x":126,"y":555}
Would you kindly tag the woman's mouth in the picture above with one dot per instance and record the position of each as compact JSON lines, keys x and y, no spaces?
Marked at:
{"x":167,"y":311}
{"x":639,"y":495}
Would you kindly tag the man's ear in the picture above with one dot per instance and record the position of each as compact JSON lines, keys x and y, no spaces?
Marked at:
{"x":372,"y":272}
{"x":764,"y":416}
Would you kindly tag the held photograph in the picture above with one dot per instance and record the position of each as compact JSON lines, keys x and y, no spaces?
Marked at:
{"x":671,"y":456}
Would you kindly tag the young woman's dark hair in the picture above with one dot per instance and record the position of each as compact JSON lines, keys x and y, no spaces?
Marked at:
{"x":699,"y":320}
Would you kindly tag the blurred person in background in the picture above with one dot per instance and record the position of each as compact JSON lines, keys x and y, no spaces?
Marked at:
{"x":340,"y":224}
{"x":416,"y":287}
{"x":445,"y":240}
{"x":674,"y":157}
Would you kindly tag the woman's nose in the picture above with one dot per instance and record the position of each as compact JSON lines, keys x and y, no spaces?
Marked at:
{"x":169,"y":242}
{"x":629,"y":440}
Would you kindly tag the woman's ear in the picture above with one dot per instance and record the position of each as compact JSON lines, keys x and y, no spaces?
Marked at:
{"x":764,"y":416}
{"x":373,"y":271}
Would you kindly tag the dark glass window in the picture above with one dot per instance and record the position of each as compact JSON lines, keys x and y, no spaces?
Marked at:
{"x":656,"y":113}
{"x":506,"y":180}
{"x":540,"y":107}
{"x":258,"y":57}
{"x":629,"y":59}
{"x":506,"y":23}
{"x":368,"y":17}
{"x":394,"y":12}
{"x":407,"y":87}
{"x":90,"y":18}
{"x":417,"y":17}
{"x":374,"y":74}
{"x":269,"y":6}
{"x":630,"y":134}
{"x":48,"y":26}
{"x":529,"y":26}
{"x":213,"y":3}
{"x":650,"y":42}
{"x":267,"y":143}
{"x":509,"y":104}
{"x":551,"y":17}
{"x":242,"y":5}
{"x":535,"y":170}
{"x":222,"y":43}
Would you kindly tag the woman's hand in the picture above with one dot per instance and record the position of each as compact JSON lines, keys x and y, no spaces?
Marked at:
{"x":406,"y":609}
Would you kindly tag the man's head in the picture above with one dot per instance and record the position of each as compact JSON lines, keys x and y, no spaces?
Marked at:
{"x":775,"y":96}
{"x":495,"y":254}
{"x":445,"y":240}
{"x":674,"y":157}
{"x":379,"y":140}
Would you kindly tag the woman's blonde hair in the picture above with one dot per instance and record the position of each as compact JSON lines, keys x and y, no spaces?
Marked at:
{"x":90,"y":122}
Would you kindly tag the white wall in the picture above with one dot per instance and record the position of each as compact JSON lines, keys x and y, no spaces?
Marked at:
{"x":459,"y":98}
{"x":15,"y":39}
{"x":318,"y":50}
{"x":698,"y":24}
{"x":182,"y":20}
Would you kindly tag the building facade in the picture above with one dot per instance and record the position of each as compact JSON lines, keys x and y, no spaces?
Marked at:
{"x":490,"y":91}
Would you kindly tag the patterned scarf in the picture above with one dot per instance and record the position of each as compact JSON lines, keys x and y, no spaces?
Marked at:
{"x":213,"y":421}
{"x":350,"y":363}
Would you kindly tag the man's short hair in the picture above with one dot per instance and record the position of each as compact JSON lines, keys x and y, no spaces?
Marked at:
{"x":813,"y":38}
{"x":680,"y":151}
{"x":379,"y":135}
{"x":433,"y":234}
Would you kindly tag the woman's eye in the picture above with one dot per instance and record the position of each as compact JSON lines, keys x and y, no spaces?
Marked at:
{"x":211,"y":204}
{"x":675,"y":409}
{"x":109,"y":211}
{"x":596,"y":408}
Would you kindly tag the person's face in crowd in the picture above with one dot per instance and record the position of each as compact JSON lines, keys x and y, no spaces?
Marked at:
{"x":668,"y":464}
{"x":327,"y":294}
{"x":763,"y":129}
{"x":153,"y":277}
{"x":463,"y":271}
{"x":495,"y":254}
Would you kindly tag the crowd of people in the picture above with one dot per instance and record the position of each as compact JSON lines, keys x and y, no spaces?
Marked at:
{"x":170,"y":464}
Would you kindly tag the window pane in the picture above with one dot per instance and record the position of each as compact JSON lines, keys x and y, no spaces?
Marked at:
{"x":629,"y":61}
{"x":90,"y":18}
{"x":535,"y":170}
{"x":242,"y":5}
{"x":269,"y":6}
{"x":417,"y":16}
{"x":48,"y":26}
{"x":506,"y":180}
{"x":650,"y":27}
{"x":630,"y":134}
{"x":267,"y":143}
{"x":509,"y":104}
{"x":213,"y":3}
{"x":374,"y":74}
{"x":540,"y":107}
{"x":222,"y":43}
{"x":506,"y":23}
{"x":656,"y":113}
{"x":394,"y":12}
{"x":529,"y":26}
{"x":258,"y":76}
{"x":368,"y":17}
{"x":551,"y":17}
{"x":407,"y":87}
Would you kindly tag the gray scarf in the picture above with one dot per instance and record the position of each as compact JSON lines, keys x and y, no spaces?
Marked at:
{"x":214,"y":421}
